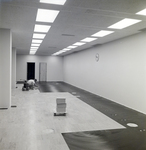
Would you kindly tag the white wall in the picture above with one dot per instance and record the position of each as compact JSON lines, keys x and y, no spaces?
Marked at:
{"x":13,"y":68}
{"x":5,"y":67}
{"x":120,"y":74}
{"x":54,"y":67}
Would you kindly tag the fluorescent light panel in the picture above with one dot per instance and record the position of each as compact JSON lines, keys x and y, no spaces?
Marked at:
{"x":46,"y":15}
{"x":56,"y":2}
{"x":88,"y":39}
{"x":34,"y":47}
{"x":35,"y":44}
{"x":124,"y":23}
{"x":67,"y":49}
{"x":79,"y":43}
{"x":72,"y":47}
{"x":39,"y":36}
{"x":37,"y":41}
{"x":57,"y":53}
{"x":62,"y":51}
{"x":32,"y":52}
{"x":102,"y":33}
{"x":142,"y":12}
{"x":41,"y":28}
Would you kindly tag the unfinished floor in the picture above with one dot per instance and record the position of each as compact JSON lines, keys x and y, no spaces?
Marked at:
{"x":31,"y":125}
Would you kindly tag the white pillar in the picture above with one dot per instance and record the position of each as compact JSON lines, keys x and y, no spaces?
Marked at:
{"x":5,"y":67}
{"x":13,"y":68}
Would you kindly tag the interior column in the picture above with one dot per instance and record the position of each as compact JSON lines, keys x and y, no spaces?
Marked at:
{"x":13,"y":68}
{"x":5,"y":67}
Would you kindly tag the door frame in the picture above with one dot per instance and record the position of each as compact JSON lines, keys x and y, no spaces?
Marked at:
{"x":27,"y":76}
{"x":43,"y":73}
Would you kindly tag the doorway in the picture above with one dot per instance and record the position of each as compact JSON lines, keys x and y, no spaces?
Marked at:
{"x":42,"y":71}
{"x":30,"y":70}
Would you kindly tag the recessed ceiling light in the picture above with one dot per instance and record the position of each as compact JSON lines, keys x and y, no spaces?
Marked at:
{"x":102,"y":33}
{"x":88,"y":39}
{"x":142,"y":12}
{"x":32,"y":52}
{"x":41,"y":28}
{"x":72,"y":47}
{"x":35,"y":44}
{"x":62,"y":51}
{"x":124,"y":23}
{"x":37,"y":41}
{"x":34,"y":48}
{"x":56,"y":2}
{"x":57,"y":53}
{"x":46,"y":15}
{"x":79,"y":43}
{"x":38,"y":36}
{"x":67,"y":49}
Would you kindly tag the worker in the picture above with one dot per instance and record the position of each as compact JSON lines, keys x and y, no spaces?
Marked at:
{"x":25,"y":86}
{"x":32,"y":83}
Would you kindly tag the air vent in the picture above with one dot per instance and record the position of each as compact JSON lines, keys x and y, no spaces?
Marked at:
{"x":67,"y":35}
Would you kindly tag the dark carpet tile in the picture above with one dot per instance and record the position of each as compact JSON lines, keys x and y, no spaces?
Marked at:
{"x":124,"y":139}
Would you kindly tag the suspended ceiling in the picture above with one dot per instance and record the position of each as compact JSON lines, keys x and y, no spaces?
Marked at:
{"x":77,"y":20}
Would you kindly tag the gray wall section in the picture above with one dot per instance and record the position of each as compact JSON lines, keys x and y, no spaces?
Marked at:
{"x":119,"y":75}
{"x":5,"y":67}
{"x":13,"y":68}
{"x":54,"y":67}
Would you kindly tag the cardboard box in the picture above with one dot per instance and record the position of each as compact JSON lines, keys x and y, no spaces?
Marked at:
{"x":60,"y":100}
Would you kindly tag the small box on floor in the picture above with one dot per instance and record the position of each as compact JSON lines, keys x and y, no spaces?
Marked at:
{"x":60,"y":107}
{"x":60,"y":100}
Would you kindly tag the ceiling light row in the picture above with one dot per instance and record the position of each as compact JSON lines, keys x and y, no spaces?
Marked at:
{"x":119,"y":25}
{"x":38,"y":36}
{"x":84,"y":41}
{"x":45,"y":16}
{"x":75,"y":45}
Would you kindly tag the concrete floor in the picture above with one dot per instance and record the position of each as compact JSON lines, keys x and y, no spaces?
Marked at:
{"x":31,"y":125}
{"x":130,"y":138}
{"x":91,"y":123}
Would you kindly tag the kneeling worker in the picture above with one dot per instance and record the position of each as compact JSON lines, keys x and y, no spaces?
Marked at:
{"x":32,"y":83}
{"x":25,"y":86}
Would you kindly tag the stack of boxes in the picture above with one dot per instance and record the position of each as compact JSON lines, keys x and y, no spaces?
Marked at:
{"x":60,"y":106}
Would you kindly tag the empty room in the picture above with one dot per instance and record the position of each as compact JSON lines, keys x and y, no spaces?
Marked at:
{"x":72,"y":75}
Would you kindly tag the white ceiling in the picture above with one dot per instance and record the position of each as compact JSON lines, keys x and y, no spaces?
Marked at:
{"x":77,"y":20}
